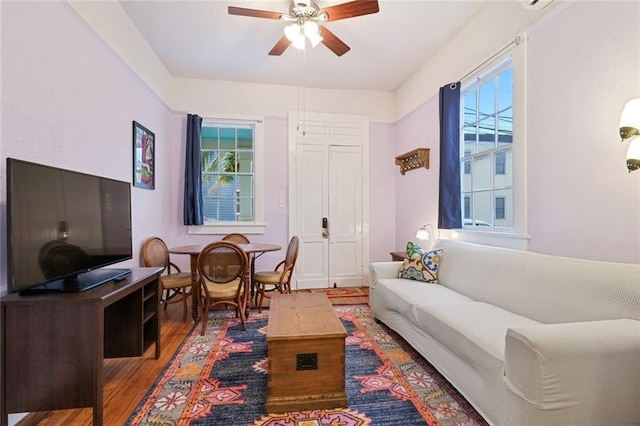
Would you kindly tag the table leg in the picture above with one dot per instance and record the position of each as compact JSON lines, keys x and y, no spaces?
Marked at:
{"x":195,"y":288}
{"x":246,"y":296}
{"x":253,"y":271}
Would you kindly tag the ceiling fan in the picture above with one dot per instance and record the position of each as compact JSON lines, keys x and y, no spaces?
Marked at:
{"x":305,"y":18}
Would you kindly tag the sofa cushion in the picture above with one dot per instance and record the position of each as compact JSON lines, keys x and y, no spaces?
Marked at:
{"x":399,"y":295}
{"x":475,"y":331}
{"x":420,"y":265}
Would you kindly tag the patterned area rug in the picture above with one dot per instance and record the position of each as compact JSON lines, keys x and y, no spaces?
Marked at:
{"x":220,"y":379}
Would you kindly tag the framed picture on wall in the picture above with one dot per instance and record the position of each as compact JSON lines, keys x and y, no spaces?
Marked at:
{"x":144,"y":150}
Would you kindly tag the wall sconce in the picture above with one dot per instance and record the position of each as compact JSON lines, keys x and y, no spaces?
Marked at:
{"x":630,"y":131}
{"x":424,"y":233}
{"x":633,"y":154}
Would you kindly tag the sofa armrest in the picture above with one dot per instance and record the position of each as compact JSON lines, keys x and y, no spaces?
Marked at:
{"x":576,"y":373}
{"x":383,"y":270}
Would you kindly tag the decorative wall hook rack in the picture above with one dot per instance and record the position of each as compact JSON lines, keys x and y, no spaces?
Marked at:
{"x":415,"y":159}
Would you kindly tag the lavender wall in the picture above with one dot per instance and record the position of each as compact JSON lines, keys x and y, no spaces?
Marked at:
{"x":583,"y":67}
{"x":382,"y":217}
{"x":68,"y":101}
{"x":417,"y":190}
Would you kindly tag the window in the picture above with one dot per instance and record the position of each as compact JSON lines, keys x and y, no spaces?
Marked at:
{"x":232,"y":187}
{"x":486,"y":141}
{"x":467,"y":165}
{"x":467,"y":207}
{"x":500,"y":163}
{"x":500,"y":208}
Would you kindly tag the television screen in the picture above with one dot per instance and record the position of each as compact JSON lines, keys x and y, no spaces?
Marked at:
{"x":63,"y":227}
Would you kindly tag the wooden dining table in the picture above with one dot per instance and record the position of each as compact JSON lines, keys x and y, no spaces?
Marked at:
{"x":253,"y":250}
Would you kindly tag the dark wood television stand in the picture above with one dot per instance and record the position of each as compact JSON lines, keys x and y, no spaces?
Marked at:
{"x":53,"y":345}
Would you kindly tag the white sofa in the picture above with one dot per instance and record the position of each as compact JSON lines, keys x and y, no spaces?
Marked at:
{"x":527,"y":338}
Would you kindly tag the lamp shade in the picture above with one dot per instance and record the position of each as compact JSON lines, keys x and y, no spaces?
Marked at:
{"x":299,"y":43}
{"x":630,"y":119}
{"x":292,"y":32}
{"x":423,"y":233}
{"x":633,"y":154}
{"x":310,"y":28}
{"x":312,"y":31}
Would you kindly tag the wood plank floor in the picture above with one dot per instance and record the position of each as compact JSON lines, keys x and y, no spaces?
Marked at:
{"x":127,"y":380}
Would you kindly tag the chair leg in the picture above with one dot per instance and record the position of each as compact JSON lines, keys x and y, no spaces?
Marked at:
{"x":203,"y":316}
{"x":256,"y":296}
{"x":240,"y":310}
{"x":184,"y":304}
{"x":262,"y":296}
{"x":165,"y":298}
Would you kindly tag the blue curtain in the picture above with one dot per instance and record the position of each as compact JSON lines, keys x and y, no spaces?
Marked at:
{"x":192,"y":179}
{"x":450,"y":212}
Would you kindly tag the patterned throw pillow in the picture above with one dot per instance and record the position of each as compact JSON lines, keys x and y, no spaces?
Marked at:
{"x":420,"y":265}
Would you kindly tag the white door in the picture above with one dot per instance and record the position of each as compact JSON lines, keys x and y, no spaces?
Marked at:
{"x":345,"y":216}
{"x":328,"y":193}
{"x":312,"y":171}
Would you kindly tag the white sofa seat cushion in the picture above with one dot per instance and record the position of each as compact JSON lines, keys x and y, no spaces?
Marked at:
{"x":400,"y":295}
{"x":475,"y":331}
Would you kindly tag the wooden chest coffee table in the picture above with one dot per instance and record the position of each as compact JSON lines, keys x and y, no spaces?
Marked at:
{"x":305,"y":345}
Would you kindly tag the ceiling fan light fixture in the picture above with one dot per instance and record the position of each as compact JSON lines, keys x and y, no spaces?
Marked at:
{"x":312,"y":31}
{"x":299,"y":42}
{"x":311,"y":27}
{"x":303,"y":18}
{"x":314,"y":39}
{"x":293,"y":32}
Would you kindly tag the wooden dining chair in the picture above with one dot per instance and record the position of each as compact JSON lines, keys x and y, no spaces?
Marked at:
{"x":236,"y":238}
{"x":222,"y":266}
{"x":278,"y":279}
{"x":176,"y":284}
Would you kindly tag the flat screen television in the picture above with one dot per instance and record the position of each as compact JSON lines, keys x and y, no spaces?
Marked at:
{"x":63,"y":228}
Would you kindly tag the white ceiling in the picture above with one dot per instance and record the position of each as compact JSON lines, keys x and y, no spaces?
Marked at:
{"x":199,"y":39}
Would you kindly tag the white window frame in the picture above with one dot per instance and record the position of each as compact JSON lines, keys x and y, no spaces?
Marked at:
{"x":257,"y":226}
{"x":516,"y":237}
{"x":492,"y":74}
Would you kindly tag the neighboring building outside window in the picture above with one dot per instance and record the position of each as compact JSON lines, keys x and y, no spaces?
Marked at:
{"x":232,"y":187}
{"x":486,"y":143}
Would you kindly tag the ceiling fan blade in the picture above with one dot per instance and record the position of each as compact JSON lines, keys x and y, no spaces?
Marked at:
{"x":351,"y":9}
{"x":255,"y":13}
{"x":280,"y":46}
{"x":332,"y":41}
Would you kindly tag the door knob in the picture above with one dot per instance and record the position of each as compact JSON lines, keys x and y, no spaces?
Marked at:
{"x":325,"y":228}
